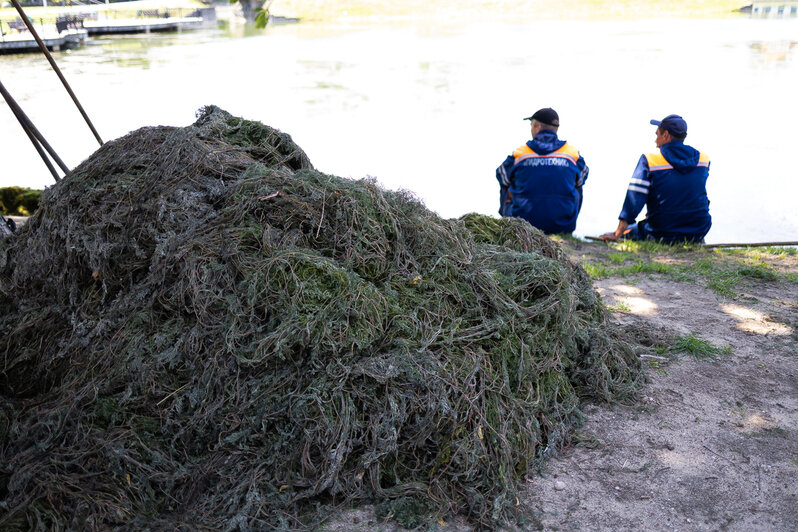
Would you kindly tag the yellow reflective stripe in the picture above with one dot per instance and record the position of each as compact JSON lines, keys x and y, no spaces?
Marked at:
{"x":565,"y":152}
{"x":657,"y":162}
{"x":523,"y":150}
{"x":570,"y":151}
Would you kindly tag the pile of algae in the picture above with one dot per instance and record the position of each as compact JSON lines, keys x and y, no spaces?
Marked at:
{"x":199,"y":330}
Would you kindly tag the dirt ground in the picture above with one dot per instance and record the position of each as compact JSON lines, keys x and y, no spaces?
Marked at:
{"x":712,"y":443}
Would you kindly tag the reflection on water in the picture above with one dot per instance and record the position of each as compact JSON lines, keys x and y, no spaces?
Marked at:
{"x":435,"y":111}
{"x":122,"y":52}
{"x":773,"y":51}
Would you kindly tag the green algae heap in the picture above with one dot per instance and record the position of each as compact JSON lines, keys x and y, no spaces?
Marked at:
{"x":199,"y":330}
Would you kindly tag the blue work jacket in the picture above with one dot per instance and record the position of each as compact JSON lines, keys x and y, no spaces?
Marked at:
{"x":541,"y":182}
{"x":672,"y":182}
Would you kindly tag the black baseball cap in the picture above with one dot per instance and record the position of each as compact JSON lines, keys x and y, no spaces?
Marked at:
{"x":673,"y":124}
{"x":547,"y":115}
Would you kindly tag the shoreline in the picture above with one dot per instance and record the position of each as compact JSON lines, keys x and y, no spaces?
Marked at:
{"x":491,"y":10}
{"x":354,"y":11}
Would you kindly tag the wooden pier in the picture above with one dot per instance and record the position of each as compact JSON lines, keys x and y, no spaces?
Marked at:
{"x":66,"y":31}
{"x":54,"y":40}
{"x":772,"y":9}
{"x":141,"y":25}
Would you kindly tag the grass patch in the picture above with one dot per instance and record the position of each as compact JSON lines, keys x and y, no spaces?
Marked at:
{"x":775,"y":432}
{"x":620,"y":257}
{"x":721,"y":270}
{"x":652,"y":247}
{"x":758,"y":272}
{"x":620,"y":306}
{"x":600,"y":271}
{"x":658,"y":365}
{"x":723,"y":279}
{"x":763,"y":253}
{"x":695,"y":347}
{"x":596,"y":271}
{"x":722,"y":284}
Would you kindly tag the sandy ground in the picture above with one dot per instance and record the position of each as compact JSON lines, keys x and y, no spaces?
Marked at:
{"x":712,"y":444}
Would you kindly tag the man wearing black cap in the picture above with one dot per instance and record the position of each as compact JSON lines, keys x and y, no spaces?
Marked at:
{"x":542,"y":180}
{"x":673,"y":183}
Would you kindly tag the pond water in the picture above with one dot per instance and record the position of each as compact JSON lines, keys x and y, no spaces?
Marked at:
{"x":434,"y":109}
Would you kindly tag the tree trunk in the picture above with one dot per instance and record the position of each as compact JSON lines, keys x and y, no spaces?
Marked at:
{"x":248,"y":8}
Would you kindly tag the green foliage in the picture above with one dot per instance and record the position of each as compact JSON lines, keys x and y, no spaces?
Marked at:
{"x":261,"y":17}
{"x":620,"y":258}
{"x":760,"y":253}
{"x":261,"y":11}
{"x":19,"y":201}
{"x":696,"y":347}
{"x":652,"y":247}
{"x":621,"y":306}
{"x":723,"y":278}
{"x":598,"y":271}
{"x":757,"y":272}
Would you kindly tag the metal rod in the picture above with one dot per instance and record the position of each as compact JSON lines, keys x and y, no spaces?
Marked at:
{"x":49,"y":57}
{"x":27,"y":123}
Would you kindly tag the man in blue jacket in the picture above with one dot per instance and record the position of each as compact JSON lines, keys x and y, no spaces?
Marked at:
{"x":673,"y":183}
{"x":542,"y":180}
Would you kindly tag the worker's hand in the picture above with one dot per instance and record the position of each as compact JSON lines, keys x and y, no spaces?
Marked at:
{"x":614,"y":236}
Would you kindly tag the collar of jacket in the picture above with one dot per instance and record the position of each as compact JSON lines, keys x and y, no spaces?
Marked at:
{"x":545,"y":142}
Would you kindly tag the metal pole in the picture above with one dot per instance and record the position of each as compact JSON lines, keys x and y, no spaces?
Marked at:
{"x":49,"y":57}
{"x":27,"y":124}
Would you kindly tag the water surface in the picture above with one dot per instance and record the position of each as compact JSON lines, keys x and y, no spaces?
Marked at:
{"x":435,"y":109}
